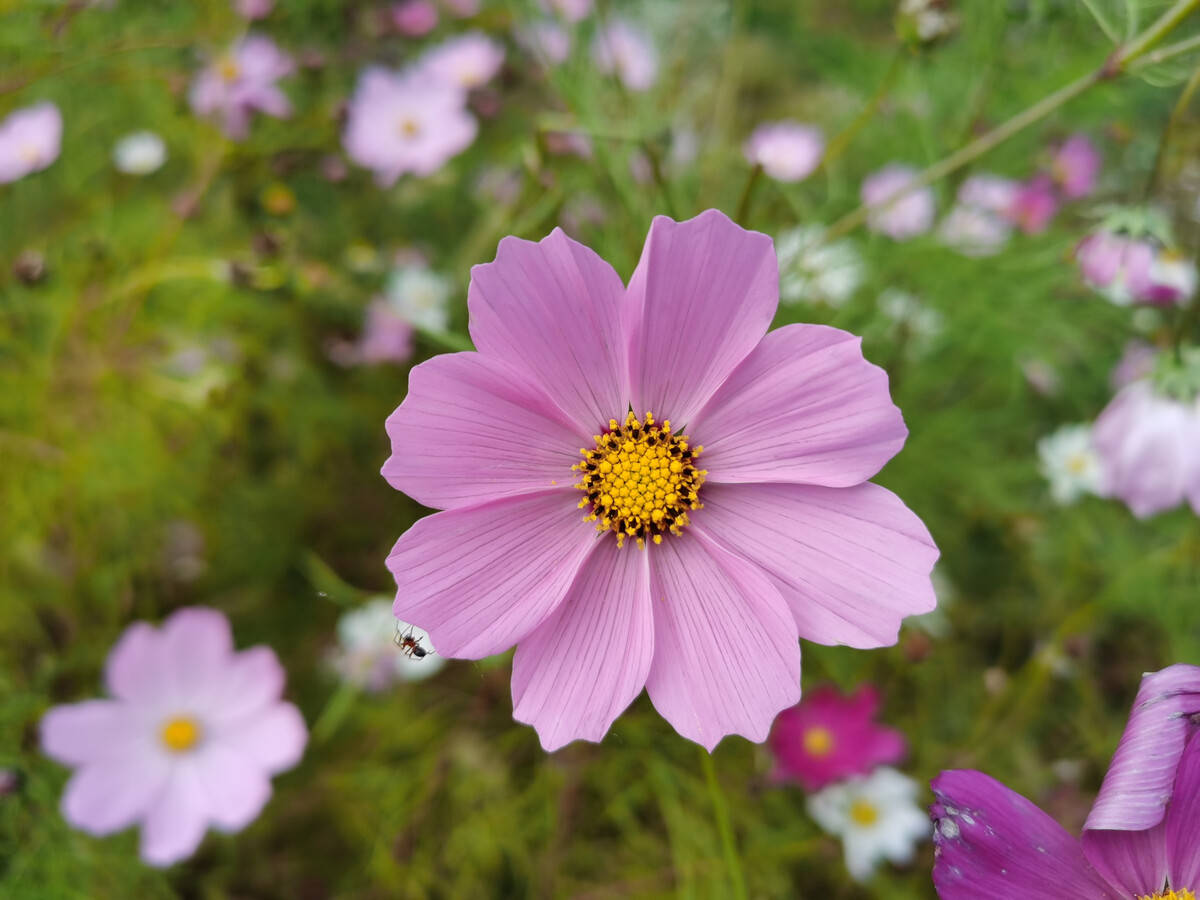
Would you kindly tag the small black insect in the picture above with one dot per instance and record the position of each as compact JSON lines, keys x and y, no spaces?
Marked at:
{"x":410,"y":644}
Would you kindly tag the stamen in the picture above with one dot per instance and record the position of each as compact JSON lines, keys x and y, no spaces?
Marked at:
{"x":818,"y":741}
{"x":181,"y":734}
{"x":640,"y":480}
{"x":1172,"y":894}
{"x":863,"y":813}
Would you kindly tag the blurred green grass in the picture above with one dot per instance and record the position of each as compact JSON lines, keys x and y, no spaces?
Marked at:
{"x":271,"y":453}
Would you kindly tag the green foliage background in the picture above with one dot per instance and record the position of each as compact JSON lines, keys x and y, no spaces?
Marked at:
{"x":115,"y":456}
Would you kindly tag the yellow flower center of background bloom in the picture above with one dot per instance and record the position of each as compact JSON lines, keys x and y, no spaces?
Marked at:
{"x":1181,"y":894}
{"x":818,"y":741}
{"x":409,"y":128}
{"x":640,"y":480}
{"x":863,"y":813}
{"x":228,"y":69}
{"x":180,"y":734}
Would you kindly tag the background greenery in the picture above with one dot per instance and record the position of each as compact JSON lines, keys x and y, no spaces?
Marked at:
{"x":172,"y":432}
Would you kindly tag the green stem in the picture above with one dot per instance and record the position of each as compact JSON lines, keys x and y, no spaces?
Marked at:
{"x":447,"y":340}
{"x":1162,"y":54}
{"x":743,"y":207}
{"x":336,"y":709}
{"x":1156,"y":32}
{"x":841,"y":140}
{"x":1188,"y":317}
{"x":1177,"y":111}
{"x":728,"y":843}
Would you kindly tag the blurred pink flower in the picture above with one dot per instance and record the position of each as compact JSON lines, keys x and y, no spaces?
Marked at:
{"x":462,"y":9}
{"x":1075,"y":166}
{"x":909,"y":216}
{"x":1139,"y":840}
{"x":1135,"y":270}
{"x":571,"y":10}
{"x":406,"y":122}
{"x":623,"y":49}
{"x":254,"y":9}
{"x":1135,"y":363}
{"x":787,"y":151}
{"x":1034,"y":205}
{"x":827,"y":737}
{"x":243,"y":81}
{"x":30,"y":140}
{"x":191,"y":739}
{"x":414,"y":18}
{"x":693,"y":583}
{"x":978,"y":224}
{"x":1147,"y":443}
{"x":468,"y":61}
{"x":386,"y":336}
{"x":547,"y":41}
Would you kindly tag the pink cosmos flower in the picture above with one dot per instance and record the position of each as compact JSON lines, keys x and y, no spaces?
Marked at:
{"x":30,"y":140}
{"x":787,"y":151}
{"x":547,"y":41}
{"x":685,"y":563}
{"x":1140,"y":841}
{"x":414,"y":18}
{"x":1129,"y":270}
{"x":254,"y":9}
{"x":1034,"y":205}
{"x":406,"y":122}
{"x":1147,"y":445}
{"x":828,"y":737}
{"x":978,"y":224}
{"x":386,"y":337}
{"x":243,"y":81}
{"x":626,"y":50}
{"x":1076,"y":166}
{"x":896,"y":211}
{"x":191,"y":738}
{"x":468,"y":61}
{"x":1137,"y":362}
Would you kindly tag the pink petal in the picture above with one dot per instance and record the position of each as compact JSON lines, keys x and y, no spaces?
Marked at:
{"x":1138,"y":785}
{"x":235,"y":788}
{"x":480,"y":579}
{"x":726,"y":656}
{"x":273,"y":739}
{"x":176,"y":822}
{"x":135,"y":666}
{"x":198,"y":645}
{"x":80,"y":733}
{"x":580,"y":668}
{"x":993,"y":844}
{"x":471,"y":430}
{"x":849,"y":562}
{"x":103,"y":797}
{"x":707,"y":290}
{"x":554,"y":310}
{"x":804,"y":406}
{"x":250,"y":682}
{"x":1134,"y":861}
{"x":1183,"y":820}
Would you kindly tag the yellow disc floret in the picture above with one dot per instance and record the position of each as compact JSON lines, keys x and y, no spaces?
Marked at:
{"x":180,"y":734}
{"x":640,"y":480}
{"x":863,"y":814}
{"x":818,"y":741}
{"x":1177,"y":894}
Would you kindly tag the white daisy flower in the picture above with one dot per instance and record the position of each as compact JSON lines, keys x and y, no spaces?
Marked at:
{"x":814,"y":271}
{"x":420,"y":296}
{"x":1069,"y":462}
{"x":139,"y":153}
{"x":373,"y":649}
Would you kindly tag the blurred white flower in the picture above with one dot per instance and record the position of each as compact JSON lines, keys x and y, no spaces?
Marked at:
{"x":814,"y":271}
{"x":139,"y":153}
{"x":877,"y":817}
{"x":911,"y":319}
{"x":1069,"y":462}
{"x":897,"y":208}
{"x":367,"y":654}
{"x":420,"y":296}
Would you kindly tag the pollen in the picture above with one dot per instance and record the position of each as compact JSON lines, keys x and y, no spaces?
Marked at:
{"x":1179,"y":894}
{"x":228,"y":69}
{"x":640,"y":480}
{"x":181,"y":734}
{"x":818,"y":741}
{"x":863,"y":814}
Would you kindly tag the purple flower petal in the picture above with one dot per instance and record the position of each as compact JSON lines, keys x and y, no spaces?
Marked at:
{"x":1183,"y":820}
{"x":1134,"y":861}
{"x":554,"y":310}
{"x":198,"y":643}
{"x":106,"y":796}
{"x":472,"y":430}
{"x":804,"y":406}
{"x":993,"y":844}
{"x":80,"y":733}
{"x":135,"y":664}
{"x":849,"y":562}
{"x":245,"y":687}
{"x":272,"y":740}
{"x":580,"y":668}
{"x":177,"y":820}
{"x":480,"y":579}
{"x":235,"y":790}
{"x":726,"y":655}
{"x":707,"y":290}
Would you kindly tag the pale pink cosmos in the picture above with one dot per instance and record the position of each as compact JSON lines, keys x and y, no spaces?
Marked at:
{"x":30,"y":140}
{"x":1127,"y":269}
{"x":897,"y":209}
{"x":191,"y":738}
{"x":254,"y":9}
{"x":791,"y":541}
{"x":387,"y":336}
{"x":1034,"y":205}
{"x":414,"y":18}
{"x":978,"y":225}
{"x":468,"y":61}
{"x":408,"y":122}
{"x":787,"y":151}
{"x":1149,"y":449}
{"x":1076,"y":166}
{"x":1141,"y":840}
{"x":571,"y":10}
{"x":242,"y":82}
{"x":547,"y":41}
{"x":828,"y":736}
{"x":1137,"y":362}
{"x":623,"y":49}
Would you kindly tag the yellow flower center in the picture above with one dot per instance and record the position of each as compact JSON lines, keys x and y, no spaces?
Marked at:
{"x":408,"y":128}
{"x":228,"y":69}
{"x":818,"y":741}
{"x":1181,"y":894}
{"x":863,"y":813}
{"x":640,"y":480}
{"x":180,"y":734}
{"x":1077,"y":464}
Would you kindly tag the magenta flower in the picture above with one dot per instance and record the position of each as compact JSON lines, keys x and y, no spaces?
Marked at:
{"x":828,"y":737}
{"x":1034,"y":205}
{"x":30,"y":140}
{"x":787,"y":151}
{"x":468,"y":61}
{"x":414,"y":18}
{"x":254,"y":9}
{"x":241,"y":82}
{"x":406,"y":122}
{"x":627,"y":51}
{"x":1076,"y":166}
{"x":1139,"y":843}
{"x":191,"y":738}
{"x":687,"y":564}
{"x":897,"y":210}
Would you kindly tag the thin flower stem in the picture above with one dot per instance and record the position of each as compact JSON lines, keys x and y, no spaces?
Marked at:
{"x":1106,"y":26}
{"x":728,"y":843}
{"x":447,"y":340}
{"x":743,"y":207}
{"x":1162,"y":54}
{"x":1181,"y":105}
{"x":841,"y":140}
{"x":336,"y":709}
{"x":1188,"y":318}
{"x":1116,"y":64}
